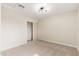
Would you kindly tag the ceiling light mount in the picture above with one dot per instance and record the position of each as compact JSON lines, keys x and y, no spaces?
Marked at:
{"x":41,"y":8}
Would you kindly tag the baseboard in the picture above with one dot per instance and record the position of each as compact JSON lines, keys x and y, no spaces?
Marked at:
{"x":61,"y":43}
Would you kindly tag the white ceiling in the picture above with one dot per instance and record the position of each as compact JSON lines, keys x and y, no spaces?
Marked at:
{"x":31,"y":9}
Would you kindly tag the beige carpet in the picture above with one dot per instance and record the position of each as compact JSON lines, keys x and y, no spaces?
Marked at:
{"x":41,"y":48}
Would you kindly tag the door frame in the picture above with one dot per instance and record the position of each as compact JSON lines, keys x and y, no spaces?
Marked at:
{"x":31,"y":29}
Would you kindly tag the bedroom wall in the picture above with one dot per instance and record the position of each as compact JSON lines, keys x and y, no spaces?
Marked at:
{"x":78,"y":31}
{"x":0,"y":29}
{"x":60,"y":29}
{"x":14,"y":28}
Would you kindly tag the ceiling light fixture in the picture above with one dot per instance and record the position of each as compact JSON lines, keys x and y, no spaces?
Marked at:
{"x":42,"y":8}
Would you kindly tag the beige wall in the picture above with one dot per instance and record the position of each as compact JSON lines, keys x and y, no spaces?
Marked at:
{"x":14,"y":28}
{"x":60,"y":29}
{"x":78,"y":31}
{"x":0,"y":29}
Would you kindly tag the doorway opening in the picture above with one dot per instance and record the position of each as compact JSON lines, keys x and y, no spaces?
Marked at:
{"x":30,"y":31}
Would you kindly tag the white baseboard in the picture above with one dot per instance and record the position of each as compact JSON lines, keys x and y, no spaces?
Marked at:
{"x":61,"y":43}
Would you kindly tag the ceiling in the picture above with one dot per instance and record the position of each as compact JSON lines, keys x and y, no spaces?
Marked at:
{"x":32,"y":9}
